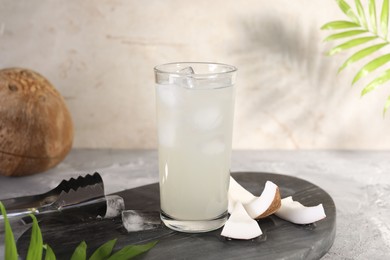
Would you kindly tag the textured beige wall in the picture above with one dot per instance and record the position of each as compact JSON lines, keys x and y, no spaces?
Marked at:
{"x":100,"y":55}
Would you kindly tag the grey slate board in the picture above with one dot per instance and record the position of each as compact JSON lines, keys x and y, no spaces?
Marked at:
{"x":280,"y":240}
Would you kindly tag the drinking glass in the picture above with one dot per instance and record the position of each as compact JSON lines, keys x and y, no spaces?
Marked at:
{"x":195,"y":103}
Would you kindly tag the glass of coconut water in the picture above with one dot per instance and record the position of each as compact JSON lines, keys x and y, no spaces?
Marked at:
{"x":195,"y":103}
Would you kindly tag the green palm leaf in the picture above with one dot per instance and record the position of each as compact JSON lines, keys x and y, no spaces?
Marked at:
{"x":348,"y":10}
{"x":361,"y":54}
{"x":362,"y":16}
{"x":344,"y":35}
{"x":350,"y":44}
{"x":10,"y":252}
{"x":387,"y":105}
{"x":36,"y":243}
{"x":131,"y":251}
{"x":104,"y":251}
{"x":385,"y":18}
{"x":384,"y":77}
{"x":360,"y":24}
{"x":373,"y":65}
{"x":80,"y":253}
{"x":337,"y":25}
{"x":49,"y":253}
{"x":372,"y":12}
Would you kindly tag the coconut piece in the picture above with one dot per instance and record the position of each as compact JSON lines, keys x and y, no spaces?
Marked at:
{"x":36,"y":129}
{"x":240,"y":225}
{"x":265,"y":205}
{"x":295,"y":212}
{"x":237,"y":193}
{"x":231,"y":204}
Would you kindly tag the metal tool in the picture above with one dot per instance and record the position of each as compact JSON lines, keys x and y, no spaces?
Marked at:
{"x":68,"y":194}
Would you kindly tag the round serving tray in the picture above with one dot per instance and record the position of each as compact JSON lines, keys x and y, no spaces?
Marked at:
{"x":280,"y":239}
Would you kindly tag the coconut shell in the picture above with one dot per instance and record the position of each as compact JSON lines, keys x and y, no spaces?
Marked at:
{"x":36,"y":129}
{"x":275,"y":205}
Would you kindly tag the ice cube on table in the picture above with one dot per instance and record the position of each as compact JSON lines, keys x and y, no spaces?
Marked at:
{"x":136,"y":220}
{"x":207,"y":118}
{"x":184,"y":78}
{"x":115,"y":205}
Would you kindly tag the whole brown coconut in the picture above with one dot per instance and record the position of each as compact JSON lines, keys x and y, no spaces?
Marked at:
{"x":36,"y":130}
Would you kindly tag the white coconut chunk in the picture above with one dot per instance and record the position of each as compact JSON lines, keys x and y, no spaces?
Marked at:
{"x":295,"y":212}
{"x":240,"y":225}
{"x":231,"y":204}
{"x":266,"y":204}
{"x":237,"y":193}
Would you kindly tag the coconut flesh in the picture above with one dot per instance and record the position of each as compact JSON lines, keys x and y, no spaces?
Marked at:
{"x":244,"y":207}
{"x":257,"y":207}
{"x":237,"y":193}
{"x":240,"y":225}
{"x":296,"y":213}
{"x":266,"y":204}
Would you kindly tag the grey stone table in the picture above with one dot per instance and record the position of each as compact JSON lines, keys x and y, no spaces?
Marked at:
{"x":358,"y":181}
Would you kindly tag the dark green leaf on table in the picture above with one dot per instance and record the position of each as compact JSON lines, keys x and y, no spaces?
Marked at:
{"x":10,"y":252}
{"x":131,"y":251}
{"x":49,"y":255}
{"x":80,"y":253}
{"x":104,"y":251}
{"x":36,"y":243}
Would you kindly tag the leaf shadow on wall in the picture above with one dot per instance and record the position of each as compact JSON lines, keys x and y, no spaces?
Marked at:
{"x":290,"y":84}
